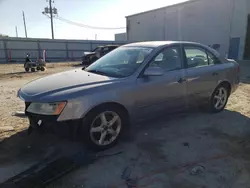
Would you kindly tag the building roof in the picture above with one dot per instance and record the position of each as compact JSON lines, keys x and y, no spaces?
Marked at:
{"x":169,"y":6}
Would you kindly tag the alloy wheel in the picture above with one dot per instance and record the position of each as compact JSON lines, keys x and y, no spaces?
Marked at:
{"x":105,"y":128}
{"x":220,"y":98}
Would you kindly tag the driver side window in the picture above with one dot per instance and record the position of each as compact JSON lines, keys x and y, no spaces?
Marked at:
{"x":169,"y":59}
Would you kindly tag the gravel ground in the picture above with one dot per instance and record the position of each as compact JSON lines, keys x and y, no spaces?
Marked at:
{"x":160,"y":153}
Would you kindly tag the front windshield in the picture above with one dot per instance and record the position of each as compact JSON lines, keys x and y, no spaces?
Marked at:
{"x":122,"y":62}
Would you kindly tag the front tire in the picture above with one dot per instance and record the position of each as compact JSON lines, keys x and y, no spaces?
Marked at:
{"x":219,"y":99}
{"x":102,"y":127}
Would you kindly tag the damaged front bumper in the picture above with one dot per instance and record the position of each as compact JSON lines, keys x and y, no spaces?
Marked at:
{"x":49,"y":124}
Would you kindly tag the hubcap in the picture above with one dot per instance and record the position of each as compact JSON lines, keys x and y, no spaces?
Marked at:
{"x":220,"y":98}
{"x":105,"y":128}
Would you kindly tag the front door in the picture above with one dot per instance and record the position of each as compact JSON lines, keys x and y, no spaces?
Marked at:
{"x":201,"y":75}
{"x":166,"y":93}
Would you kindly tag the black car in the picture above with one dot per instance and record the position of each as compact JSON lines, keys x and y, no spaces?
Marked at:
{"x":90,"y":57}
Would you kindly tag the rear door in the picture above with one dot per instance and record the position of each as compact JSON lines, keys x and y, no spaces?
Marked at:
{"x":166,"y":93}
{"x":201,"y":74}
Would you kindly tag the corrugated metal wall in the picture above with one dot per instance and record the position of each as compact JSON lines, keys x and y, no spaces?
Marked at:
{"x":121,"y":37}
{"x":205,"y":21}
{"x":15,"y":49}
{"x":240,"y":11}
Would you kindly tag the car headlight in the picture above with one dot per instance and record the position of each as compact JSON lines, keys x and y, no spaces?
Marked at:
{"x":54,"y":108}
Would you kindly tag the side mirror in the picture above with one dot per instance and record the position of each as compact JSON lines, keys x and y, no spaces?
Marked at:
{"x":153,"y":71}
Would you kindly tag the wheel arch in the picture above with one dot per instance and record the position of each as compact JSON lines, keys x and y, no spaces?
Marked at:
{"x":223,"y":82}
{"x":227,"y":84}
{"x":116,"y":104}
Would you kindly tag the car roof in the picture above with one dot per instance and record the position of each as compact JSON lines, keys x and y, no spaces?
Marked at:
{"x":155,"y":44}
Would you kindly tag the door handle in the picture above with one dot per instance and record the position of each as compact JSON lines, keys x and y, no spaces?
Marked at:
{"x":181,"y":80}
{"x":215,"y":74}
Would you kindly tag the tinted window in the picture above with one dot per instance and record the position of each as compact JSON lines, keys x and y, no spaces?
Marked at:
{"x":169,"y":59}
{"x":141,"y":57}
{"x":113,"y":47}
{"x":196,"y":57}
{"x":97,"y":49}
{"x":106,"y":49}
{"x":212,"y":59}
{"x":159,"y":57}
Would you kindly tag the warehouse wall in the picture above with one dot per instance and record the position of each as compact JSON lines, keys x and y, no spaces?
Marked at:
{"x":207,"y":22}
{"x":121,"y":37}
{"x":2,"y":51}
{"x":248,"y":6}
{"x":148,"y":26}
{"x":204,"y":21}
{"x":239,"y":22}
{"x":15,"y":49}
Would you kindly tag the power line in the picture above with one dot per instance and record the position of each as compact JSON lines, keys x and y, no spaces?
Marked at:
{"x":87,"y":26}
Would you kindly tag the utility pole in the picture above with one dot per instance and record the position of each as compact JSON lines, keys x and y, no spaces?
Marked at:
{"x":24,"y":23}
{"x":51,"y":19}
{"x":50,"y":12}
{"x":16,"y":32}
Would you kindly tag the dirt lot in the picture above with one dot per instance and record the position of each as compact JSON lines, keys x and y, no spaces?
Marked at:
{"x":159,"y":153}
{"x":12,"y":77}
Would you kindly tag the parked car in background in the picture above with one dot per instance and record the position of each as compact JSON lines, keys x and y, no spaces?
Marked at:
{"x":135,"y":81}
{"x":90,"y":57}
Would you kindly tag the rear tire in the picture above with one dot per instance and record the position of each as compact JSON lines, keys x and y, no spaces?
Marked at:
{"x":219,"y":98}
{"x":27,"y":69}
{"x":38,"y":68}
{"x":93,"y":127}
{"x":42,"y":69}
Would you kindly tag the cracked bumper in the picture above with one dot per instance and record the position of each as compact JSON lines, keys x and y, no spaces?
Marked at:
{"x":49,"y":124}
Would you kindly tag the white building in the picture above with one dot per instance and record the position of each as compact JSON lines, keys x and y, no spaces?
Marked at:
{"x":223,"y":24}
{"x":121,"y":37}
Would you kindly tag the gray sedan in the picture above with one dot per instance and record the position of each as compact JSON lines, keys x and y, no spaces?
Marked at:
{"x":135,"y":81}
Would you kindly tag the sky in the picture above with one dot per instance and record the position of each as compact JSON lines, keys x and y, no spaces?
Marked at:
{"x":101,"y":13}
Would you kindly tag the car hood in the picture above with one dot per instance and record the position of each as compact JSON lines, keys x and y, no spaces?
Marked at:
{"x":62,"y":85}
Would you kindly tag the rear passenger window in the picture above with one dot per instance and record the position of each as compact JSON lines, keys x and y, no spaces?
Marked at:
{"x":196,"y":57}
{"x":213,"y":60}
